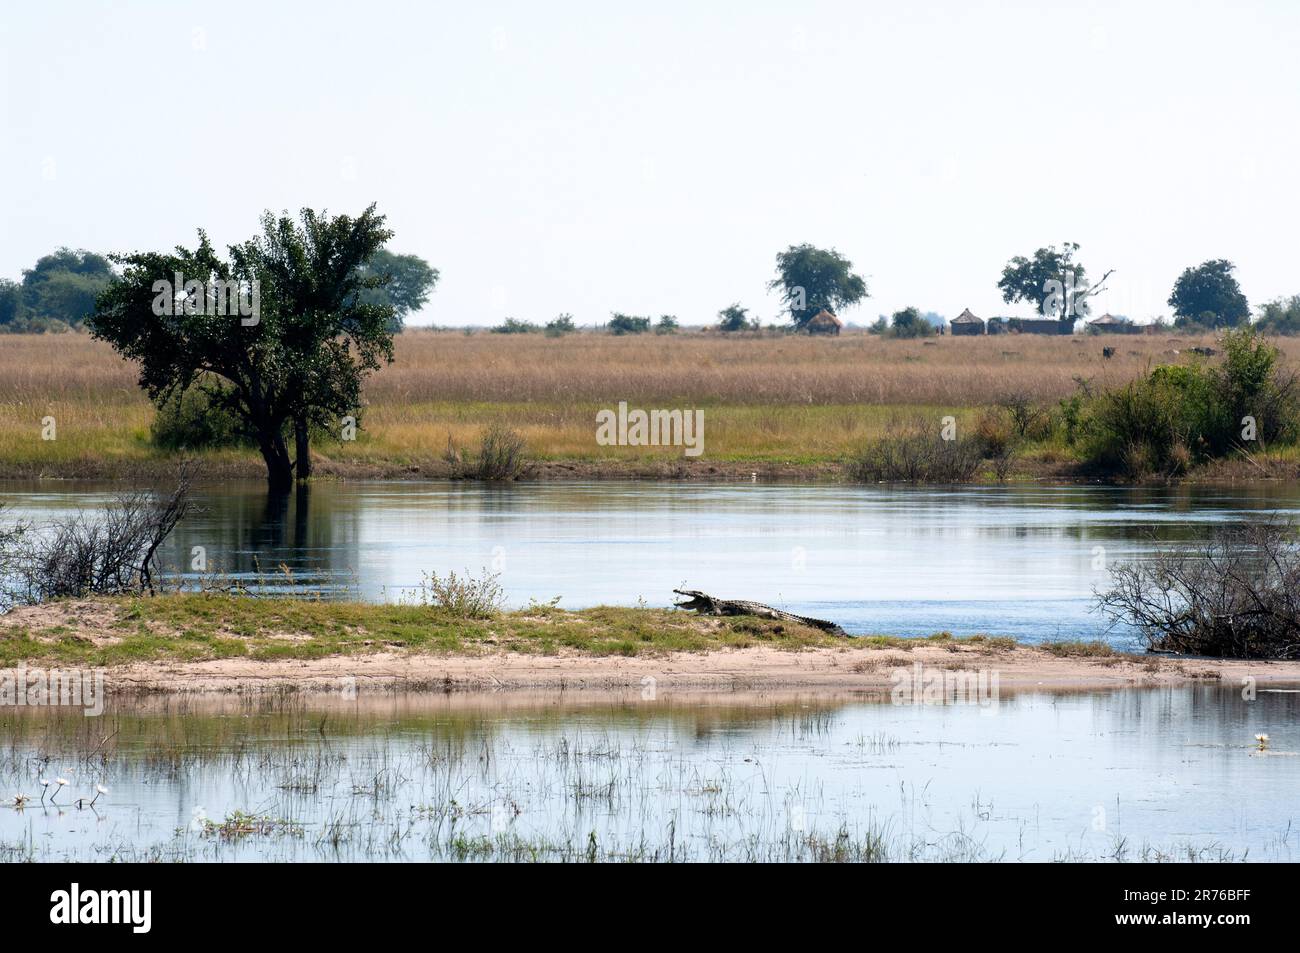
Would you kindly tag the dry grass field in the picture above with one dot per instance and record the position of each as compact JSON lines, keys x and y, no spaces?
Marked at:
{"x":776,"y":400}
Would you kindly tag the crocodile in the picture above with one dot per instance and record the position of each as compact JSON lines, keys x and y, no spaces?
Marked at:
{"x":708,"y":605}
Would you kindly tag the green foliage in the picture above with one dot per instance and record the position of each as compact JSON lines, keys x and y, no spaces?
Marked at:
{"x":667,"y":324}
{"x":1023,"y":279}
{"x":1208,"y":295}
{"x":500,"y":455}
{"x":514,"y":326}
{"x":1135,"y":431}
{"x":917,"y":453}
{"x":813,"y":279}
{"x":56,"y":294}
{"x":193,"y":420}
{"x":909,"y":323}
{"x":463,"y":597}
{"x":1179,"y":415}
{"x":560,"y":326}
{"x":300,"y":363}
{"x":11,"y":303}
{"x":628,"y":324}
{"x":735,"y":318}
{"x":406,"y":283}
{"x":1277,"y":317}
{"x":1251,"y":381}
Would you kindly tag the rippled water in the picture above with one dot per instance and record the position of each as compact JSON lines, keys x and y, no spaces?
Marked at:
{"x":1136,"y":774}
{"x":1019,"y":561}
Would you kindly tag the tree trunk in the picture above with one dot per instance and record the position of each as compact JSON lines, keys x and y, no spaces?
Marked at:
{"x":301,"y":439}
{"x":279,"y":469}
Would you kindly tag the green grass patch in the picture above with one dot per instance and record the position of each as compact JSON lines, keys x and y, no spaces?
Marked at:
{"x":203,"y":626}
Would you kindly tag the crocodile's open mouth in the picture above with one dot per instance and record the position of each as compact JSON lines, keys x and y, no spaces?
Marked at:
{"x":696,"y":600}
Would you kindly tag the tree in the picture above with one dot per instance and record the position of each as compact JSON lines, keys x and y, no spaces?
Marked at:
{"x":410,"y":281}
{"x":628,"y":324}
{"x":909,"y":323}
{"x":735,"y":318}
{"x":1281,"y":316}
{"x":1052,"y":280}
{"x":667,"y":324}
{"x":58,"y":290}
{"x":11,"y":303}
{"x":295,"y":363}
{"x":560,"y":326}
{"x":1209,"y":294}
{"x":815,"y":279}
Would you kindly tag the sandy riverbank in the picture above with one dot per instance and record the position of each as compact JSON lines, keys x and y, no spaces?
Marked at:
{"x":747,"y":670}
{"x":208,"y":642}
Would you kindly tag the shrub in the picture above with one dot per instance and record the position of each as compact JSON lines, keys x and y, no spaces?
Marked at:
{"x":993,"y":434}
{"x":108,"y":552}
{"x":194,"y":420}
{"x":1237,"y":595}
{"x":1281,"y":316}
{"x":560,"y":326}
{"x":735,"y":318}
{"x":1132,"y":431}
{"x":1251,"y":381}
{"x":1028,"y":420}
{"x":916,"y":453}
{"x":1180,"y":415}
{"x":667,"y":324}
{"x":500,"y":455}
{"x":628,"y":324}
{"x":465,"y":597}
{"x":909,"y":323}
{"x":515,"y":326}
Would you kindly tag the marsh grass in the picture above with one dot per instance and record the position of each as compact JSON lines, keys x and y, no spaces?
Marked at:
{"x":916,"y":453}
{"x":779,"y":399}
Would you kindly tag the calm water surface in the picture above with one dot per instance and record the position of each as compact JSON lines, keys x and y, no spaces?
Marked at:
{"x":1019,"y":561}
{"x":1128,"y":774}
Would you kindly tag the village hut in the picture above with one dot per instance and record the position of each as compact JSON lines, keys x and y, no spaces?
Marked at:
{"x":966,"y":323}
{"x":1109,"y":324}
{"x":823,"y":322}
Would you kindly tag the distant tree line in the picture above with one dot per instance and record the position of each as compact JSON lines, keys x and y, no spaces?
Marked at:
{"x":59,"y":292}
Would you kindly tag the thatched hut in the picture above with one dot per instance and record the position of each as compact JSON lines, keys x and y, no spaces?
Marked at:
{"x":966,"y":323}
{"x":1110,"y":324}
{"x":823,"y":322}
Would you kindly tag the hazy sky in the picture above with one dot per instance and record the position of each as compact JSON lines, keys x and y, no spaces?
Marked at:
{"x":653,"y":157}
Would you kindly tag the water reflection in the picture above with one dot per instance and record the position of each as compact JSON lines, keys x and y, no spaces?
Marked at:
{"x":1044,"y":776}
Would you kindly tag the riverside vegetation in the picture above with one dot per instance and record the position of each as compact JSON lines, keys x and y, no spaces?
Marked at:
{"x":782,"y":404}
